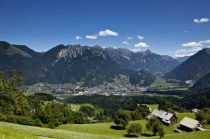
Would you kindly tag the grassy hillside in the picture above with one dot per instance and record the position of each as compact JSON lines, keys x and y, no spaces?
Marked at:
{"x":180,"y":116}
{"x":104,"y":128}
{"x":90,"y":131}
{"x":76,"y":107}
{"x":153,"y":106}
{"x":15,"y":131}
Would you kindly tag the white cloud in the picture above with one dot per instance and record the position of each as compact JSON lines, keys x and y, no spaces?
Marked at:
{"x":192,"y":44}
{"x":205,"y":42}
{"x":191,"y":48}
{"x":196,"y":44}
{"x":187,"y":51}
{"x":141,"y":45}
{"x":125,"y":42}
{"x":107,"y":32}
{"x":129,"y":38}
{"x":91,"y":37}
{"x":186,"y":31}
{"x":201,"y":20}
{"x":140,"y":37}
{"x":78,"y":37}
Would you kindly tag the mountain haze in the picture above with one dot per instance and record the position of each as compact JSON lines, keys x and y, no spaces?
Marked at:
{"x":142,"y":60}
{"x":194,"y":67}
{"x":202,"y":84}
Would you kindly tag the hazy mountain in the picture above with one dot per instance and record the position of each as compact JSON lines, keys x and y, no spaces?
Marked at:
{"x":198,"y":100}
{"x":202,"y":84}
{"x":142,"y":60}
{"x":194,"y":67}
{"x":182,"y":59}
{"x":21,"y":61}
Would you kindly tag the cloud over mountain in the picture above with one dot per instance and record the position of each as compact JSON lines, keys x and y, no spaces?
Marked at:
{"x":141,"y":45}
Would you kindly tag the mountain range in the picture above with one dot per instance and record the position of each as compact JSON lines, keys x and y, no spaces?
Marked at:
{"x":87,"y":65}
{"x":142,"y":60}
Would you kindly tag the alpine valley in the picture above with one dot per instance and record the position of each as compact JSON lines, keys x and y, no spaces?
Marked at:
{"x":75,"y":63}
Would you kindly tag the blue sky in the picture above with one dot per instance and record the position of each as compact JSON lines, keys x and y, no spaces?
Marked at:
{"x":173,"y":27}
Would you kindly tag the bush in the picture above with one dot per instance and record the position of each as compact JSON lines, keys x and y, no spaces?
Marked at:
{"x":53,"y":123}
{"x":80,"y":118}
{"x":20,"y":120}
{"x":134,"y":129}
{"x":88,"y":110}
{"x":204,"y":116}
{"x":37,"y":122}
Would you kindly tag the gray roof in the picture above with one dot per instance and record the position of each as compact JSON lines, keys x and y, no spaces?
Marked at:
{"x":190,"y":123}
{"x":162,"y":114}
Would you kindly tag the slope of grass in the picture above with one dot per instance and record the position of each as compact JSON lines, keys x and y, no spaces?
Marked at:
{"x":76,"y":107}
{"x":91,"y":131}
{"x":98,"y":128}
{"x":180,"y":116}
{"x":104,"y":128}
{"x":153,"y":106}
{"x":15,"y":131}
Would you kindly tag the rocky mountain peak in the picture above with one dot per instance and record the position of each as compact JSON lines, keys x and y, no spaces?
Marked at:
{"x":71,"y":51}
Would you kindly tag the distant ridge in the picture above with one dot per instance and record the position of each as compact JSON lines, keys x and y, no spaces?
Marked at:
{"x":88,"y":65}
{"x":194,"y":67}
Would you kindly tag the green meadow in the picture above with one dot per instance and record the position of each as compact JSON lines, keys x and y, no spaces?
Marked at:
{"x":91,"y":131}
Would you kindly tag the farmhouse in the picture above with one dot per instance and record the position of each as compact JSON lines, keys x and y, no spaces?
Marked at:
{"x":188,"y":124}
{"x":165,"y":117}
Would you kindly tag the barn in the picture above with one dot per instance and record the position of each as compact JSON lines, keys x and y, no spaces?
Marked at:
{"x":165,"y":117}
{"x":188,"y":124}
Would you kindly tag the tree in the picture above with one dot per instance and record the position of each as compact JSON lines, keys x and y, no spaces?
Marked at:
{"x":80,"y":118}
{"x":153,"y":125}
{"x":161,"y":132}
{"x":88,"y":110}
{"x":204,"y":116}
{"x":11,"y":92}
{"x":140,"y":112}
{"x":165,"y":105}
{"x":22,"y":106}
{"x":121,"y":119}
{"x":134,"y":129}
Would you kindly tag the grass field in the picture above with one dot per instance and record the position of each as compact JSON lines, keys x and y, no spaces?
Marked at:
{"x":180,"y":116}
{"x":104,"y":128}
{"x":15,"y":131}
{"x":91,"y":131}
{"x":153,"y":106}
{"x":76,"y":107}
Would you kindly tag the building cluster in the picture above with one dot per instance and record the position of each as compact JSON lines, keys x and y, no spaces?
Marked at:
{"x":186,"y":124}
{"x":66,"y":90}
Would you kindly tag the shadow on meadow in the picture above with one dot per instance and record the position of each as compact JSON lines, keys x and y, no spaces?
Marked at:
{"x":130,"y":136}
{"x":147,"y":135}
{"x":135,"y":136}
{"x":117,"y":127}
